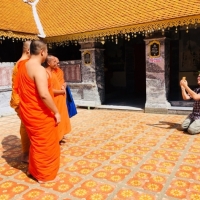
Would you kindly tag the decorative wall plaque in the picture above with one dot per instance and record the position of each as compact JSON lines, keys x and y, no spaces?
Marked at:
{"x":87,"y":58}
{"x":72,"y":72}
{"x":154,"y":49}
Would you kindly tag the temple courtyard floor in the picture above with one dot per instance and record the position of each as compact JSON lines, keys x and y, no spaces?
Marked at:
{"x":111,"y":155}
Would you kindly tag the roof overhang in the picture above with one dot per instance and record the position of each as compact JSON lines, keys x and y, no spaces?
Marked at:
{"x":17,"y":35}
{"x":135,"y":28}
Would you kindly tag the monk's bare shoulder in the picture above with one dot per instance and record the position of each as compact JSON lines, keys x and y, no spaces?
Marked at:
{"x":35,"y":70}
{"x":40,"y":71}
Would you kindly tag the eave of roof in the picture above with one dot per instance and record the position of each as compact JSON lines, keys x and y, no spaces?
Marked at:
{"x":79,"y":19}
{"x":135,"y":28}
{"x":18,"y":35}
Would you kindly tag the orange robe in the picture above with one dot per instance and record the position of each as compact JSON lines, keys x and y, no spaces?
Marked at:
{"x":44,"y":154}
{"x":64,"y":126}
{"x":60,"y":75}
{"x":14,"y":103}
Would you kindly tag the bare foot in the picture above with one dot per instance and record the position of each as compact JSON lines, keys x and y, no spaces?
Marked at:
{"x":25,"y":157}
{"x":43,"y":182}
{"x":51,"y":181}
{"x":29,"y":175}
{"x":62,"y":142}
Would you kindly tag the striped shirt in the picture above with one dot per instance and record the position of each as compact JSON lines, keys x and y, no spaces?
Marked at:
{"x":196,"y":107}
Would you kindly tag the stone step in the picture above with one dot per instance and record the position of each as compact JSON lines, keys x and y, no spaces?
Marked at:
{"x":180,"y":110}
{"x":182,"y":103}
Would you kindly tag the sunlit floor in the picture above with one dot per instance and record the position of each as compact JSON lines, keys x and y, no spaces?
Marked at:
{"x":109,"y":155}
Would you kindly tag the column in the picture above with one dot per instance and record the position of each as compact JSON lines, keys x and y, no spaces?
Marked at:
{"x":93,"y":86}
{"x":157,"y":75}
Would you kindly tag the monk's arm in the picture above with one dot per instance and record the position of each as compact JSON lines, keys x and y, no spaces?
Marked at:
{"x":58,"y":92}
{"x":65,"y":84}
{"x":40,"y":78}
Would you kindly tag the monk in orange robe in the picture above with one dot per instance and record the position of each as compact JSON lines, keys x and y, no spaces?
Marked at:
{"x":14,"y":102}
{"x":59,"y":91}
{"x":39,"y":114}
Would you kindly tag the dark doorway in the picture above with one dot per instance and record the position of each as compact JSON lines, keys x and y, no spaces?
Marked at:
{"x":139,"y":70}
{"x":125,"y":73}
{"x":10,"y":51}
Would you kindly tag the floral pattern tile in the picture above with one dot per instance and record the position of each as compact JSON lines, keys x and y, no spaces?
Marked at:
{"x":109,"y":155}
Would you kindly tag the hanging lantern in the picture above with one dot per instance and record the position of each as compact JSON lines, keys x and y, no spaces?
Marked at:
{"x":102,"y":41}
{"x":128,"y":37}
{"x":112,"y":38}
{"x":187,"y":29}
{"x":125,"y":36}
{"x":116,"y":41}
{"x":195,"y":26}
{"x":163,"y":31}
{"x":176,"y":30}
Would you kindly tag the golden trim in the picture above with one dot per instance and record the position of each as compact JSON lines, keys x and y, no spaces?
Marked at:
{"x":151,"y":43}
{"x":158,"y":25}
{"x":18,"y":35}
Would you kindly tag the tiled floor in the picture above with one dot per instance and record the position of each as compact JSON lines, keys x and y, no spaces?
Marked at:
{"x":110,"y":155}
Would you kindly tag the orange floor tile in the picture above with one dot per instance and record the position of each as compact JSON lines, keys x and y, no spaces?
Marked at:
{"x":109,"y":155}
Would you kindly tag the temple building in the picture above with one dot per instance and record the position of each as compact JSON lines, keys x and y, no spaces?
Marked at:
{"x":123,"y":53}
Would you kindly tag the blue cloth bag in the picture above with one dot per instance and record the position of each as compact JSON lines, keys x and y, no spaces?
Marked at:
{"x":70,"y":103}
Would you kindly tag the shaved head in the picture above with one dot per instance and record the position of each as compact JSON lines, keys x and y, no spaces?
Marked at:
{"x":57,"y":61}
{"x":26,"y":46}
{"x":48,"y":60}
{"x":36,"y":47}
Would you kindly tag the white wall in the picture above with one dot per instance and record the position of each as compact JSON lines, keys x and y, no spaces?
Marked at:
{"x":5,"y":88}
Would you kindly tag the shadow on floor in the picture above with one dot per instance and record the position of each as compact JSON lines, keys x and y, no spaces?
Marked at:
{"x":163,"y":124}
{"x":12,"y":152}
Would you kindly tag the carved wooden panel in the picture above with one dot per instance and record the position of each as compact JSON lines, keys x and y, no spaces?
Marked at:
{"x":72,"y":72}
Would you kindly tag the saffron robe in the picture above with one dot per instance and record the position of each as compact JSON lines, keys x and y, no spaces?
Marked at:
{"x":14,"y":103}
{"x":44,"y":154}
{"x":64,"y":126}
